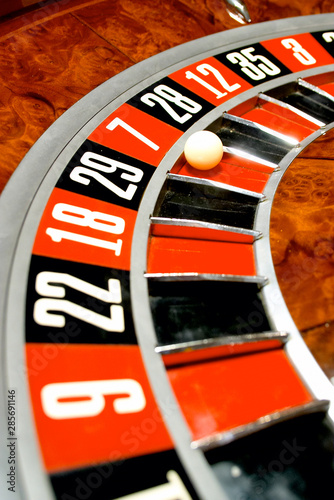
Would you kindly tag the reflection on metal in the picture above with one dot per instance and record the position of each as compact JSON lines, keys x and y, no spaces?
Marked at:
{"x":280,"y":337}
{"x":225,"y":346}
{"x":192,"y":198}
{"x":302,"y":114}
{"x":187,"y":223}
{"x":259,"y":280}
{"x":218,"y":185}
{"x":239,"y":11}
{"x":316,"y":90}
{"x":262,"y":132}
{"x":188,"y":309}
{"x":307,"y":98}
{"x":242,"y":154}
{"x":251,"y":140}
{"x":223,"y":438}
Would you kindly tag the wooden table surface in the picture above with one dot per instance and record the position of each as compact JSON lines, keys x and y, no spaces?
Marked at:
{"x":302,"y":243}
{"x":54,"y":53}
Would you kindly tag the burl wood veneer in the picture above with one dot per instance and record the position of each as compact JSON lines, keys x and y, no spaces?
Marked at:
{"x":302,"y":242}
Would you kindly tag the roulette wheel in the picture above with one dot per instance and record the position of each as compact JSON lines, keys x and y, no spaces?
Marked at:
{"x":147,"y":349}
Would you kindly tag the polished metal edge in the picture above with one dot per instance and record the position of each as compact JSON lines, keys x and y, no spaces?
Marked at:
{"x":205,"y":225}
{"x":167,"y":277}
{"x":216,"y":184}
{"x":281,"y":337}
{"x":247,"y":156}
{"x":241,"y":10}
{"x":315,"y":89}
{"x":280,"y":318}
{"x":295,"y":110}
{"x":266,"y":130}
{"x":223,"y":438}
{"x":44,"y":163}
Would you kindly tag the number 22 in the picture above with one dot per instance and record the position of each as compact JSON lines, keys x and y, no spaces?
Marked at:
{"x":50,"y":284}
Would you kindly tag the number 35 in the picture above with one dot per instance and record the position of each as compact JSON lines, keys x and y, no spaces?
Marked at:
{"x":246,"y":58}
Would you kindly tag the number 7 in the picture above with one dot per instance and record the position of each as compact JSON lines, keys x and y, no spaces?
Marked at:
{"x":117,"y":121}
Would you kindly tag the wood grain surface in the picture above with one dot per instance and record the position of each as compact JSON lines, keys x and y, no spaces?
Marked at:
{"x":302,"y":243}
{"x":54,"y":53}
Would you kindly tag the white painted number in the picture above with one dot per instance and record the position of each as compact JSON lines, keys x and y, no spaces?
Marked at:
{"x":92,"y":401}
{"x":173,"y":490}
{"x":164,"y":93}
{"x":328,"y":37}
{"x":246,"y":58}
{"x":51,"y":284}
{"x":57,"y":235}
{"x":105,"y":164}
{"x":86,"y":218}
{"x":298,"y":51}
{"x":205,"y":70}
{"x":118,"y":122}
{"x":83,"y":217}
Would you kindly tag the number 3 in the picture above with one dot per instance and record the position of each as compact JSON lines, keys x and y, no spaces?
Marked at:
{"x":298,"y":51}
